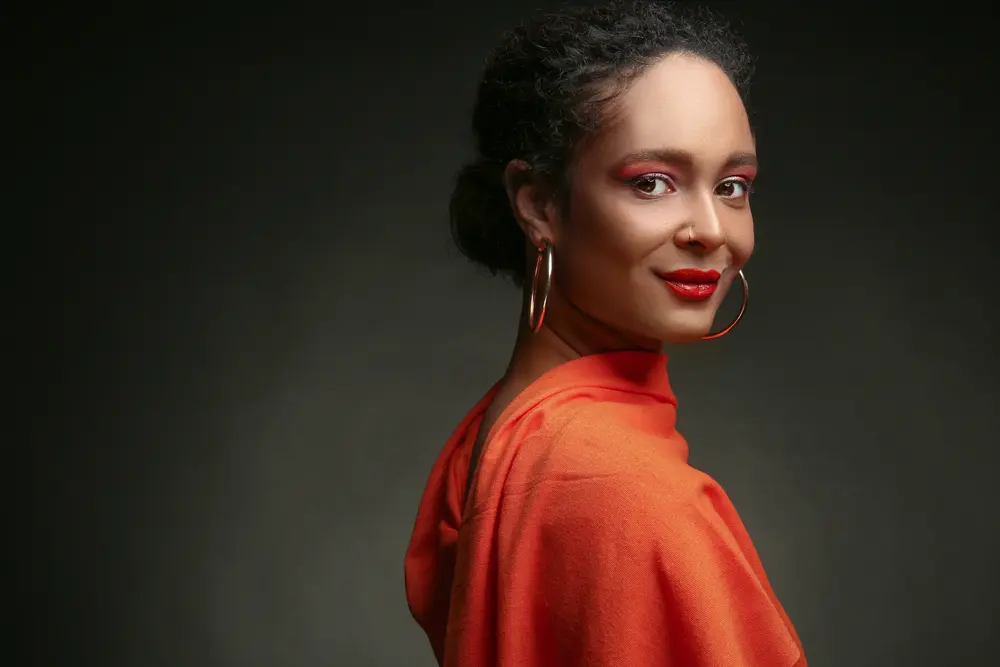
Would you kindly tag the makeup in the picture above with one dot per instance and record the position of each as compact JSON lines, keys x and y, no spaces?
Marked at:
{"x":692,"y":284}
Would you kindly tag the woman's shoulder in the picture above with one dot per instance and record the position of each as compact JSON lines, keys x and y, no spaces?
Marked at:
{"x":574,"y":439}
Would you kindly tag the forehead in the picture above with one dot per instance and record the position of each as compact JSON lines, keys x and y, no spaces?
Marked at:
{"x":681,"y":103}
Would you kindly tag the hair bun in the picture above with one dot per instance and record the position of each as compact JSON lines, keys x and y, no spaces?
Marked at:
{"x":482,"y":223}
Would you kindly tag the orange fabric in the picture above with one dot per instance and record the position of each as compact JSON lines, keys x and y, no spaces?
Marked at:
{"x":589,"y":540}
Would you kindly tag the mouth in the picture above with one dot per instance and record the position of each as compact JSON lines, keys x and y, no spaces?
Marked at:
{"x":692,"y":284}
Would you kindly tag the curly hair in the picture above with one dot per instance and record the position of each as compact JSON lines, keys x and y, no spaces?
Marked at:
{"x":550,"y":84}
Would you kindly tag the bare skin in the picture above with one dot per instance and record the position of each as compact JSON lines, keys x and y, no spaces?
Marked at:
{"x":665,"y":186}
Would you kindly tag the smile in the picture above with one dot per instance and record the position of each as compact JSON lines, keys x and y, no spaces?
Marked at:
{"x":692,"y":284}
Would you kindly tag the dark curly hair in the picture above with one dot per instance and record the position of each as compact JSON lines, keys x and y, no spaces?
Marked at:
{"x":550,"y":84}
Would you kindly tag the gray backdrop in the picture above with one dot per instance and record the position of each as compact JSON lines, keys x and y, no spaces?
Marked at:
{"x":253,"y":336}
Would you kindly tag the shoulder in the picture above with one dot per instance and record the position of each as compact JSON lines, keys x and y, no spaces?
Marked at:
{"x":621,"y":507}
{"x":573,"y":438}
{"x":627,"y":504}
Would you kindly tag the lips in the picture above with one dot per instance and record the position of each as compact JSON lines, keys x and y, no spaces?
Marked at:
{"x":692,"y":284}
{"x":696,"y":276}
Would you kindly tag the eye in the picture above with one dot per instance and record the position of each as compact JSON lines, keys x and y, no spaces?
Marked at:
{"x":653,"y":185}
{"x":734,"y":188}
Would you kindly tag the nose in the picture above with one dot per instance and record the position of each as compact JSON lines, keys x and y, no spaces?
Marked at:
{"x":703,"y":232}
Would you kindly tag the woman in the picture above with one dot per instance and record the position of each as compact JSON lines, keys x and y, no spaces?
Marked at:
{"x":561,"y":525}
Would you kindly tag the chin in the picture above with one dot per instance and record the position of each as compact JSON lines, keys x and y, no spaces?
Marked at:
{"x":687,"y":330}
{"x":679,"y":337}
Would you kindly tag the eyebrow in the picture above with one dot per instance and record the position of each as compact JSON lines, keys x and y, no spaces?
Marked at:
{"x":680,"y":157}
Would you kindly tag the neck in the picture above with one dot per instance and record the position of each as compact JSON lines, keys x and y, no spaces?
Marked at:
{"x":567,"y":333}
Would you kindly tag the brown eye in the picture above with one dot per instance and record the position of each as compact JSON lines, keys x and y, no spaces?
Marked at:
{"x":653,"y":185}
{"x":733,"y":188}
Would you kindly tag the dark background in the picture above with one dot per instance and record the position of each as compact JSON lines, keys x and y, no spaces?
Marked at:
{"x":248,"y":336}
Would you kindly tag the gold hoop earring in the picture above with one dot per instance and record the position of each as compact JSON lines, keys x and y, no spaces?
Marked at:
{"x":739,"y":315}
{"x":539,"y":297}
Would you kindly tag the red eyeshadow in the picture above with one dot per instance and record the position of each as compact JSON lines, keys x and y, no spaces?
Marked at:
{"x":635,"y":169}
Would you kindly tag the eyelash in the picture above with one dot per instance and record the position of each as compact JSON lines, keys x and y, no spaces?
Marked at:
{"x":745,"y":182}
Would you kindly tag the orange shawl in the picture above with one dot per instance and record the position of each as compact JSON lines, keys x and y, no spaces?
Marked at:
{"x":588,"y":539}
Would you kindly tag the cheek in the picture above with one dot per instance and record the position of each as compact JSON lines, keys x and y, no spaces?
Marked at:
{"x":612,"y":228}
{"x":741,"y":241}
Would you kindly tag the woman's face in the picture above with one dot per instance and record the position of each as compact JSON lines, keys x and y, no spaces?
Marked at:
{"x":662,"y":189}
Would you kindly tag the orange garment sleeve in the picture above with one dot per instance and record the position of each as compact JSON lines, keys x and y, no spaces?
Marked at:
{"x":614,"y":571}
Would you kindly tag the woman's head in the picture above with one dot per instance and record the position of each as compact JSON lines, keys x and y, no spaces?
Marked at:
{"x":617,"y":133}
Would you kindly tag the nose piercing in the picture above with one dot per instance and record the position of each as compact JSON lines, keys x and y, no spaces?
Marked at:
{"x":690,"y":235}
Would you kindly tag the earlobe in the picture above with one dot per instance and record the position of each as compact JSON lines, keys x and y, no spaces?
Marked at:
{"x":530,"y":201}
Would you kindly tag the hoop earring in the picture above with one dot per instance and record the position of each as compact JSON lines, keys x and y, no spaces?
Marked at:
{"x":739,"y":315}
{"x":539,"y":297}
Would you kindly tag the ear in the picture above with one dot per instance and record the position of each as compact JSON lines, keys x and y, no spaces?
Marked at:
{"x":532,"y":201}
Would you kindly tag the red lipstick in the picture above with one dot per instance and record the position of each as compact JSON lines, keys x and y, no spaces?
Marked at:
{"x":692,"y":284}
